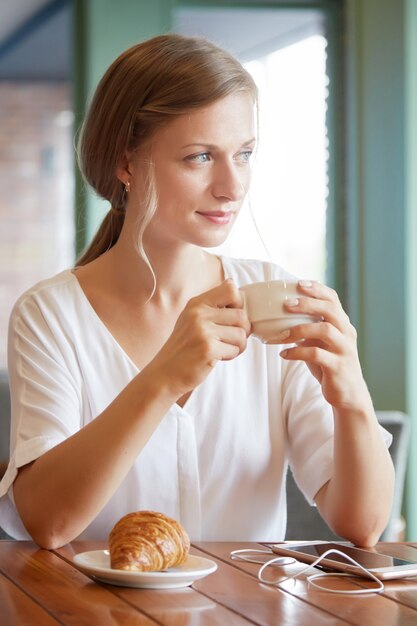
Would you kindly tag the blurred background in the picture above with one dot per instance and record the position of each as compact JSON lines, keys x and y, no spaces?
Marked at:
{"x":334,"y":195}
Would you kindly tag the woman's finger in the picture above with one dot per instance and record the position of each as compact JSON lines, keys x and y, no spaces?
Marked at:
{"x":312,"y":354}
{"x":230,"y":336}
{"x":225,"y":295}
{"x":326,"y":310}
{"x":318,"y":333}
{"x":321,"y":301}
{"x":229,"y":317}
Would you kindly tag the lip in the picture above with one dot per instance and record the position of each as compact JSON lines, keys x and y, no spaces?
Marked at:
{"x":217,"y":217}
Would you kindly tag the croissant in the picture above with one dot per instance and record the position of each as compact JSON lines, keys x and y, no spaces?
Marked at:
{"x":147,"y":541}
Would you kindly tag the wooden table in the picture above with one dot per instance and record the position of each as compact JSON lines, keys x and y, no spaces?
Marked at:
{"x":44,"y":588}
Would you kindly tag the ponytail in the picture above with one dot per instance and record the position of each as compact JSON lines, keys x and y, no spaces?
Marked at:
{"x":106,"y":236}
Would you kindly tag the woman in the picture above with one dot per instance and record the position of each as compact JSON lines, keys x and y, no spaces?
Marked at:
{"x":135,"y":382}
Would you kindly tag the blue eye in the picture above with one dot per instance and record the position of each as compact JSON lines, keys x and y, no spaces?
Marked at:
{"x":202,"y":157}
{"x":245,"y":156}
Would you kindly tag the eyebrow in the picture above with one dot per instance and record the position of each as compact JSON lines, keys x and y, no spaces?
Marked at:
{"x":211,"y":146}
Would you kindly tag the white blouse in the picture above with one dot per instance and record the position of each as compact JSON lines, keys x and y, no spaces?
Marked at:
{"x":218,"y":464}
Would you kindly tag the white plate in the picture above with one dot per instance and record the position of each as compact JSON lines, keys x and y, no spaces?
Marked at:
{"x":97,"y":563}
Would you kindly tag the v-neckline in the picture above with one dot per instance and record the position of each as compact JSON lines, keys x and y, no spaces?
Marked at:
{"x":98,"y":319}
{"x":113,"y":339}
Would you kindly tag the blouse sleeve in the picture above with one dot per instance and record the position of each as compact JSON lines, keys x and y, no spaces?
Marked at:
{"x":45,"y":395}
{"x":309,"y":421}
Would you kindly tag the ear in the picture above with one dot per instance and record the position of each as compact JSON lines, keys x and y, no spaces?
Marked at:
{"x":123,"y":171}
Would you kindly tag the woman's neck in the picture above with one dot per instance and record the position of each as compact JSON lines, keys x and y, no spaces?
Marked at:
{"x":179,"y":274}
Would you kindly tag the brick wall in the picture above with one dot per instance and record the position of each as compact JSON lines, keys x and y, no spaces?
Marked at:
{"x":36,"y":189}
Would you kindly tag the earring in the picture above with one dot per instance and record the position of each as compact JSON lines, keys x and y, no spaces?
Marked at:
{"x":127,"y":187}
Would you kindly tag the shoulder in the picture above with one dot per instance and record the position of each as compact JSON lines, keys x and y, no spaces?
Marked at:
{"x":244,"y":271}
{"x":52,"y":293}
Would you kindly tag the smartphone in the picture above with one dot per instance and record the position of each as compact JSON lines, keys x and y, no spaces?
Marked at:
{"x":382,"y":565}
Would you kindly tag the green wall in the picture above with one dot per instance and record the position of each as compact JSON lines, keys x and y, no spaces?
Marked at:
{"x":381,"y":148}
{"x":375,"y":192}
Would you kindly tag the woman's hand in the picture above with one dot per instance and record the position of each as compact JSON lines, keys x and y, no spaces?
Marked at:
{"x":213,"y":327}
{"x":328,"y":347}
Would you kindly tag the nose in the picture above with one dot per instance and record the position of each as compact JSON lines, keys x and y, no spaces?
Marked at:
{"x":230,"y":182}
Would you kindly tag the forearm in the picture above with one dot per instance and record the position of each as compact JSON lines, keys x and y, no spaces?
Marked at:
{"x":357,"y":500}
{"x":65,"y":489}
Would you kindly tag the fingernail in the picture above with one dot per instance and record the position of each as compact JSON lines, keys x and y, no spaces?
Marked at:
{"x":283,"y":353}
{"x":305,"y":283}
{"x":292,"y":302}
{"x":284,"y":334}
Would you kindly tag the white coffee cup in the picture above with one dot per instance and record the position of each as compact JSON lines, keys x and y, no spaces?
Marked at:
{"x":264,"y":305}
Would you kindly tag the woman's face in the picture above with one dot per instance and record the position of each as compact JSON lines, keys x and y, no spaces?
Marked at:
{"x":202,"y":172}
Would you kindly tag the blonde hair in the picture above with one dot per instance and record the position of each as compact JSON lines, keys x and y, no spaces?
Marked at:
{"x":141,"y":91}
